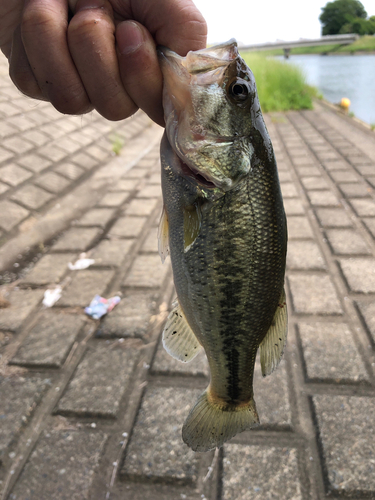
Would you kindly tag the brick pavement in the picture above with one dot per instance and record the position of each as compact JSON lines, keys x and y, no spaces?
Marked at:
{"x":93,"y":409}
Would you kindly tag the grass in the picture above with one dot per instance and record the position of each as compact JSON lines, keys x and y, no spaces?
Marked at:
{"x":281,"y":86}
{"x":364,"y":44}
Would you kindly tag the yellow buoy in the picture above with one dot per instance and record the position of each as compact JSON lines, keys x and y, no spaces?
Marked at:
{"x":345,"y":103}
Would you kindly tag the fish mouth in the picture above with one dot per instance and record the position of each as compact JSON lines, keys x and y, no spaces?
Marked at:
{"x":198,"y":177}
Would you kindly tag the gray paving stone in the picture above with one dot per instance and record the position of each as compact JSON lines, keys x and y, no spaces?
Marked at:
{"x":151,"y":242}
{"x":11,"y":214}
{"x":127,"y":227}
{"x":151,"y":191}
{"x":363,"y":208}
{"x":61,"y":467}
{"x":314,"y":294}
{"x":19,"y":397}
{"x":69,"y":170}
{"x":361,"y":160}
{"x":330,"y":353}
{"x":371,"y":180}
{"x":84,"y":286}
{"x":252,"y":472}
{"x":96,"y":217}
{"x":49,"y":269}
{"x":333,"y":217}
{"x":3,"y":188}
{"x":359,"y":274}
{"x":367,"y":313}
{"x":370,"y":224}
{"x":32,"y":197}
{"x":347,"y":242}
{"x":52,"y":182}
{"x":356,"y":190}
{"x":22,"y":304}
{"x":304,"y":255}
{"x":293,"y":206}
{"x":335,"y":165}
{"x":17,"y":144}
{"x":272,"y":398}
{"x":131,"y":317}
{"x":147,"y":271}
{"x":346,"y":434}
{"x":113,"y":199}
{"x":288,"y":190}
{"x":50,"y":340}
{"x":77,"y":239}
{"x":299,"y":227}
{"x":327,"y":155}
{"x":285,"y":176}
{"x":100,"y":381}
{"x":344,"y":176}
{"x":52,"y":152}
{"x":166,"y":365}
{"x":141,"y":207}
{"x":125,"y":185}
{"x":34,"y":162}
{"x":13,"y":174}
{"x":309,"y":172}
{"x":111,"y":252}
{"x":156,"y":450}
{"x":323,"y":199}
{"x":314,"y":183}
{"x":366,"y":169}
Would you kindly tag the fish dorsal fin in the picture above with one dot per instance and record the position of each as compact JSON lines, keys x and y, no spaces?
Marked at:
{"x":272,"y":347}
{"x":163,"y":235}
{"x":192,"y":225}
{"x":178,"y":338}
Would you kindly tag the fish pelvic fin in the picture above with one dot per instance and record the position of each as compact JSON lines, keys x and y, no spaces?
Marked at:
{"x":179,"y":339}
{"x":272,"y":347}
{"x":210,"y":424}
{"x":163,"y":236}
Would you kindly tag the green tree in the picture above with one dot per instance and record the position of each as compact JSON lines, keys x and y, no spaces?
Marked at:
{"x":338,"y":13}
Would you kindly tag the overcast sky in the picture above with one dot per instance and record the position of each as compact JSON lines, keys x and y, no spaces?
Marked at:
{"x":258,"y":21}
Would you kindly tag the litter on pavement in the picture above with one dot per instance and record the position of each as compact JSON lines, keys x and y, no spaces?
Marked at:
{"x":100,"y":306}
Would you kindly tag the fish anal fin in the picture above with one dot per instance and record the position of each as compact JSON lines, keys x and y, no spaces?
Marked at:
{"x":192,"y":224}
{"x":163,"y":236}
{"x":209,"y":425}
{"x":179,"y":339}
{"x":273,"y":345}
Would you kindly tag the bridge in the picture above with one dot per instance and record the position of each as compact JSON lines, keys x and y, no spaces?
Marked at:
{"x":303,"y":42}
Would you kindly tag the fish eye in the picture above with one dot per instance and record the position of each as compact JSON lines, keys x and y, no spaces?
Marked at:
{"x":239,"y":90}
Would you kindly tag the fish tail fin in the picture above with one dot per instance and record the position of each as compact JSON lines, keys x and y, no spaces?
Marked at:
{"x":210,"y":424}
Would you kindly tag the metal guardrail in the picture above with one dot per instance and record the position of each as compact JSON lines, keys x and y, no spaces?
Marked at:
{"x":308,"y":42}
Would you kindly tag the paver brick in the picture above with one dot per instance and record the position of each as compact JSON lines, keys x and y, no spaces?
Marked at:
{"x":356,"y":190}
{"x":359,"y":274}
{"x":52,"y":182}
{"x":344,"y":176}
{"x":288,"y":190}
{"x":77,"y":239}
{"x":111,"y":252}
{"x":333,"y":217}
{"x":347,"y":438}
{"x":52,"y":152}
{"x":293,"y":206}
{"x":69,"y":170}
{"x":323,"y":198}
{"x":151,"y":191}
{"x":19,"y":397}
{"x":13,"y":174}
{"x":311,"y":183}
{"x":156,"y":450}
{"x":32,"y":196}
{"x":131,"y":317}
{"x":253,"y":472}
{"x":3,"y":188}
{"x":49,"y":269}
{"x":100,"y":381}
{"x":96,"y":217}
{"x":141,"y":207}
{"x":314,"y":294}
{"x":113,"y":199}
{"x":22,"y":303}
{"x":311,"y":171}
{"x":84,"y":286}
{"x":127,"y":227}
{"x":299,"y":227}
{"x":330,"y":353}
{"x":304,"y":255}
{"x":151,"y":242}
{"x":363,"y":208}
{"x":11,"y":214}
{"x":34,"y":162}
{"x":347,"y":241}
{"x":367,"y":312}
{"x":62,"y":466}
{"x":335,"y":165}
{"x":147,"y":271}
{"x":125,"y":185}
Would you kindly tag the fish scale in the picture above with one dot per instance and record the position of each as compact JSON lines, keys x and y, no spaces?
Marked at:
{"x":227,"y":242}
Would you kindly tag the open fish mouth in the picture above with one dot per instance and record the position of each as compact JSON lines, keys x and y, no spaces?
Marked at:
{"x":197,"y":176}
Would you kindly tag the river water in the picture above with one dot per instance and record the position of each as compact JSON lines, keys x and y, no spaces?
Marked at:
{"x":343,"y":76}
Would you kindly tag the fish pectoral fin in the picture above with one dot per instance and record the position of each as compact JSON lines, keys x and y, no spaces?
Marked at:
{"x":179,"y":339}
{"x":163,"y":235}
{"x":272,"y":346}
{"x":192,"y":224}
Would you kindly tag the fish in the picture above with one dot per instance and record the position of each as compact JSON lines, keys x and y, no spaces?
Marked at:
{"x":224,"y":227}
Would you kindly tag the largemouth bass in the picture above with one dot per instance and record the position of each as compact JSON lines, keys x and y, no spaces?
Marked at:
{"x":224,"y":226}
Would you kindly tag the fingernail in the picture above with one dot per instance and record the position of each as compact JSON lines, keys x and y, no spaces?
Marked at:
{"x":89,"y":4}
{"x":129,"y":37}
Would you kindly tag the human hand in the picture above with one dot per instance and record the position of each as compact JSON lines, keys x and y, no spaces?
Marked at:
{"x":104,"y":58}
